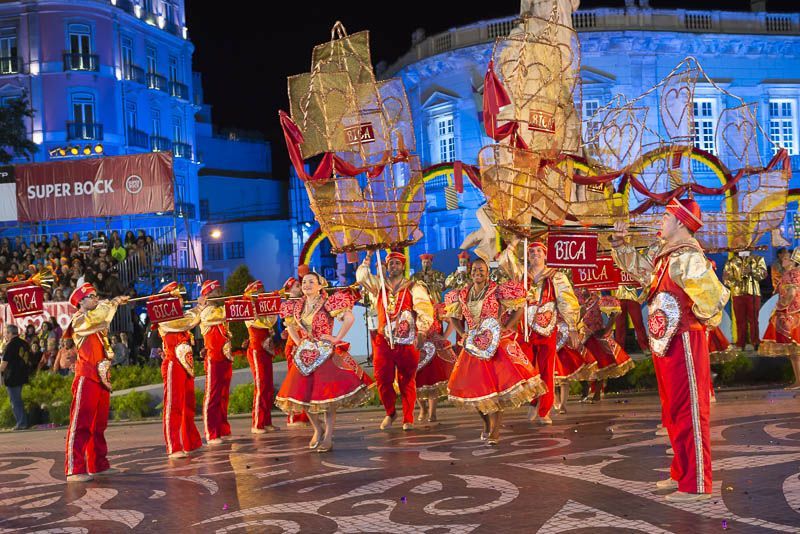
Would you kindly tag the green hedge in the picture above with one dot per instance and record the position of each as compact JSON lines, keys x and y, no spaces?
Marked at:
{"x":133,"y":406}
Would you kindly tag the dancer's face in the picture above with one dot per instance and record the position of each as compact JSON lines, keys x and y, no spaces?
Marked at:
{"x":311,"y":285}
{"x":670,"y":225}
{"x":479,"y":272}
{"x":395,"y":268}
{"x":537,"y":258}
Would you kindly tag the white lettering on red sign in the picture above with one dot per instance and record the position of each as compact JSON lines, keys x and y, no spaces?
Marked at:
{"x":165,"y":310}
{"x":570,"y":251}
{"x":268,"y":305}
{"x":27,"y":301}
{"x":541,"y":121}
{"x":360,"y":134}
{"x":74,"y":189}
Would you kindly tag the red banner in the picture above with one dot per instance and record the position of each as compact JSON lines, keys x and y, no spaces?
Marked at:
{"x":604,"y":275}
{"x":162,"y":310}
{"x":95,"y":187}
{"x":626,"y":279}
{"x":62,"y":311}
{"x":25,"y":301}
{"x":268,"y":305}
{"x":571,"y":250}
{"x":237,"y":310}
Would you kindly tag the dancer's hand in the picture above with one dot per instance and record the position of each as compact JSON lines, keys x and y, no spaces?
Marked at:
{"x":620,"y":233}
{"x":575,"y":340}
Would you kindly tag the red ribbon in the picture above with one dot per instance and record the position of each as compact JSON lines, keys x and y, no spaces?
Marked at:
{"x":494,"y":98}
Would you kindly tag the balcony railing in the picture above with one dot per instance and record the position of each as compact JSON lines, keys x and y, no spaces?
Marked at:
{"x":134,"y":73}
{"x":179,"y":90}
{"x":160,"y":144}
{"x":156,"y":81}
{"x":84,"y":130}
{"x":9,"y":65}
{"x":138,"y":138}
{"x":182,"y":150}
{"x":81,"y":61}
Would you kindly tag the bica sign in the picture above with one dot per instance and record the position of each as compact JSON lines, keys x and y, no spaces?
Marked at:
{"x":25,"y":301}
{"x":572,"y":250}
{"x":166,"y":309}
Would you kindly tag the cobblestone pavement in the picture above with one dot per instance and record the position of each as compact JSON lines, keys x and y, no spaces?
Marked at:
{"x":595,"y":469}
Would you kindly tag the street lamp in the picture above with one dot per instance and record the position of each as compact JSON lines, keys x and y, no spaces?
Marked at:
{"x":216,"y":233}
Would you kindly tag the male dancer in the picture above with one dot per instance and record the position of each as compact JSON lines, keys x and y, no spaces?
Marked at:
{"x":403,"y":320}
{"x":218,"y":364}
{"x":260,"y":351}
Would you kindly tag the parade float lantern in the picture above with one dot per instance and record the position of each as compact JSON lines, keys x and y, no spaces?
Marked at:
{"x":367,"y":190}
{"x":530,"y":175}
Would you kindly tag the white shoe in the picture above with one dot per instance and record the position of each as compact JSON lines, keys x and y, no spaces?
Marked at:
{"x":682,"y":496}
{"x":670,"y":452}
{"x":255,"y":430}
{"x":83,"y":477}
{"x":107,"y":472}
{"x":545,"y":420}
{"x":667,"y":483}
{"x":408,"y":426}
{"x":296,"y":424}
{"x":215,"y":441}
{"x":179,"y":454}
{"x":387,"y":421}
{"x":662,"y":432}
{"x":533,"y":414}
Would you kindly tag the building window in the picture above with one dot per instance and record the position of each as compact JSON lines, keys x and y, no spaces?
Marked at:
{"x":450,"y":237}
{"x":130,"y":116}
{"x":169,"y":12}
{"x":705,"y":119}
{"x":234,"y":250}
{"x":9,"y":63}
{"x":204,"y":209}
{"x":783,"y":125}
{"x":177,"y":130}
{"x":156,"y":114}
{"x":180,"y":188}
{"x":174,"y":73}
{"x":444,"y":138}
{"x":127,"y":58}
{"x":148,"y":6}
{"x":6,"y":100}
{"x":152,"y":60}
{"x":214,"y":252}
{"x":83,"y":117}
{"x":591,"y":125}
{"x":80,"y":48}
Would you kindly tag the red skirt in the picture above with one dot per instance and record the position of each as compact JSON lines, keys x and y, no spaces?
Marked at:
{"x":612,"y":360}
{"x":507,"y":380}
{"x":719,"y":348}
{"x":338,"y":383}
{"x":573,"y":365}
{"x":782,"y":337}
{"x":432,"y":376}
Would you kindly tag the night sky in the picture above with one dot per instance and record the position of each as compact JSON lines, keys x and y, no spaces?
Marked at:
{"x":237,"y":46}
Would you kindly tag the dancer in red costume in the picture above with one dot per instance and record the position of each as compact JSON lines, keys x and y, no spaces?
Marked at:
{"x":629,"y":307}
{"x":433,"y":371}
{"x":571,"y":365}
{"x":177,"y":370}
{"x":782,"y":337}
{"x":550,"y":296}
{"x":612,"y":360}
{"x":402,"y":326}
{"x":492,"y":372}
{"x":292,"y":288}
{"x":260,"y":352}
{"x":218,"y":364}
{"x":88,"y":416}
{"x":324,"y":376}
{"x":684,"y":297}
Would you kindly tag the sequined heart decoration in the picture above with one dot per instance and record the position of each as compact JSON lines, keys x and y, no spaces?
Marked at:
{"x":426,"y":354}
{"x":403,"y":328}
{"x":482,"y":341}
{"x":104,"y":371}
{"x":310,"y":355}
{"x":663,"y":317}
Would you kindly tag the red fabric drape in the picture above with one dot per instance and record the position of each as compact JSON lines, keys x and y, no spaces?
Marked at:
{"x":330,"y":162}
{"x":494,"y":98}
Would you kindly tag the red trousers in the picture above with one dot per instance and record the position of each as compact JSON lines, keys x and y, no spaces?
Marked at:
{"x":634,"y":309}
{"x":217,"y":394}
{"x":685,"y":372}
{"x":88,"y":417}
{"x":543,"y":356}
{"x":180,"y":432}
{"x":401,"y":361}
{"x":745,"y":310}
{"x":264,"y":390}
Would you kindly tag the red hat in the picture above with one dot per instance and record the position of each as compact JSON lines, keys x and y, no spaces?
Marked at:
{"x":463,"y":255}
{"x":254,"y":287}
{"x":686,"y":211}
{"x":538,"y":244}
{"x":169,"y":288}
{"x":396,"y":256}
{"x":209,"y":286}
{"x":426,"y":256}
{"x":290,"y":283}
{"x":81,"y":293}
{"x":303,"y":270}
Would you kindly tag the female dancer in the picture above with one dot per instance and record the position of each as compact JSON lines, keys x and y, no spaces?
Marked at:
{"x":324,"y":376}
{"x":782,"y":337}
{"x":436,"y":359}
{"x":492,"y":372}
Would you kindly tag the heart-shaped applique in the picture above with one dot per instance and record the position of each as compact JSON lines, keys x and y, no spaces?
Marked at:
{"x":403,"y":328}
{"x":663,"y":318}
{"x":426,"y":354}
{"x":542,"y":319}
{"x":104,"y":371}
{"x":404,"y":331}
{"x":310,"y":355}
{"x":482,"y":341}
